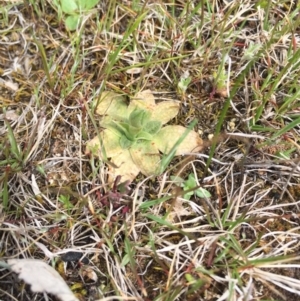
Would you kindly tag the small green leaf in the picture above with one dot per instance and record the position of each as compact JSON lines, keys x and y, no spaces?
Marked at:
{"x":134,"y":131}
{"x":139,"y":117}
{"x":73,"y":6}
{"x":13,"y":142}
{"x":56,"y":2}
{"x":72,"y":22}
{"x":190,"y":182}
{"x":125,"y":143}
{"x":41,"y":169}
{"x":188,"y":195}
{"x":251,"y":51}
{"x":202,"y":193}
{"x":135,"y":118}
{"x":169,"y":155}
{"x":65,"y":200}
{"x":121,"y":128}
{"x":262,"y":3}
{"x":190,"y":278}
{"x":220,"y":77}
{"x":285,"y":154}
{"x":177,"y":179}
{"x":148,"y":204}
{"x":144,"y":136}
{"x":146,"y":118}
{"x":87,"y":4}
{"x":69,"y":6}
{"x":153,"y":127}
{"x":184,"y":83}
{"x":125,"y":260}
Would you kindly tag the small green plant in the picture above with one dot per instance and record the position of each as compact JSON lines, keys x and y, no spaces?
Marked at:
{"x":134,"y":136}
{"x":190,"y":184}
{"x":221,"y":80}
{"x":183,"y":84}
{"x":74,"y":10}
{"x":65,"y":200}
{"x":252,"y":50}
{"x":193,"y":283}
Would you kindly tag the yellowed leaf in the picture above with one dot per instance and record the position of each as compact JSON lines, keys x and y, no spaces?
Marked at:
{"x":168,"y":135}
{"x":165,"y":111}
{"x":146,"y":96}
{"x":125,"y":167}
{"x":146,"y":156}
{"x":111,"y":143}
{"x":110,"y":103}
{"x":143,"y":100}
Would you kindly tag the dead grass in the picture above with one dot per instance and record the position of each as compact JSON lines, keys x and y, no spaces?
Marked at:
{"x":243,"y":61}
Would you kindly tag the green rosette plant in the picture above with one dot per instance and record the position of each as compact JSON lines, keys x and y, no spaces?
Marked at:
{"x":135,"y":136}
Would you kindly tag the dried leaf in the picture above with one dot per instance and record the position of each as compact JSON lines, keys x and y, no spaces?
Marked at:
{"x":9,"y":85}
{"x":10,"y":115}
{"x":42,"y":278}
{"x":34,"y":185}
{"x":134,"y":70}
{"x":178,"y":210}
